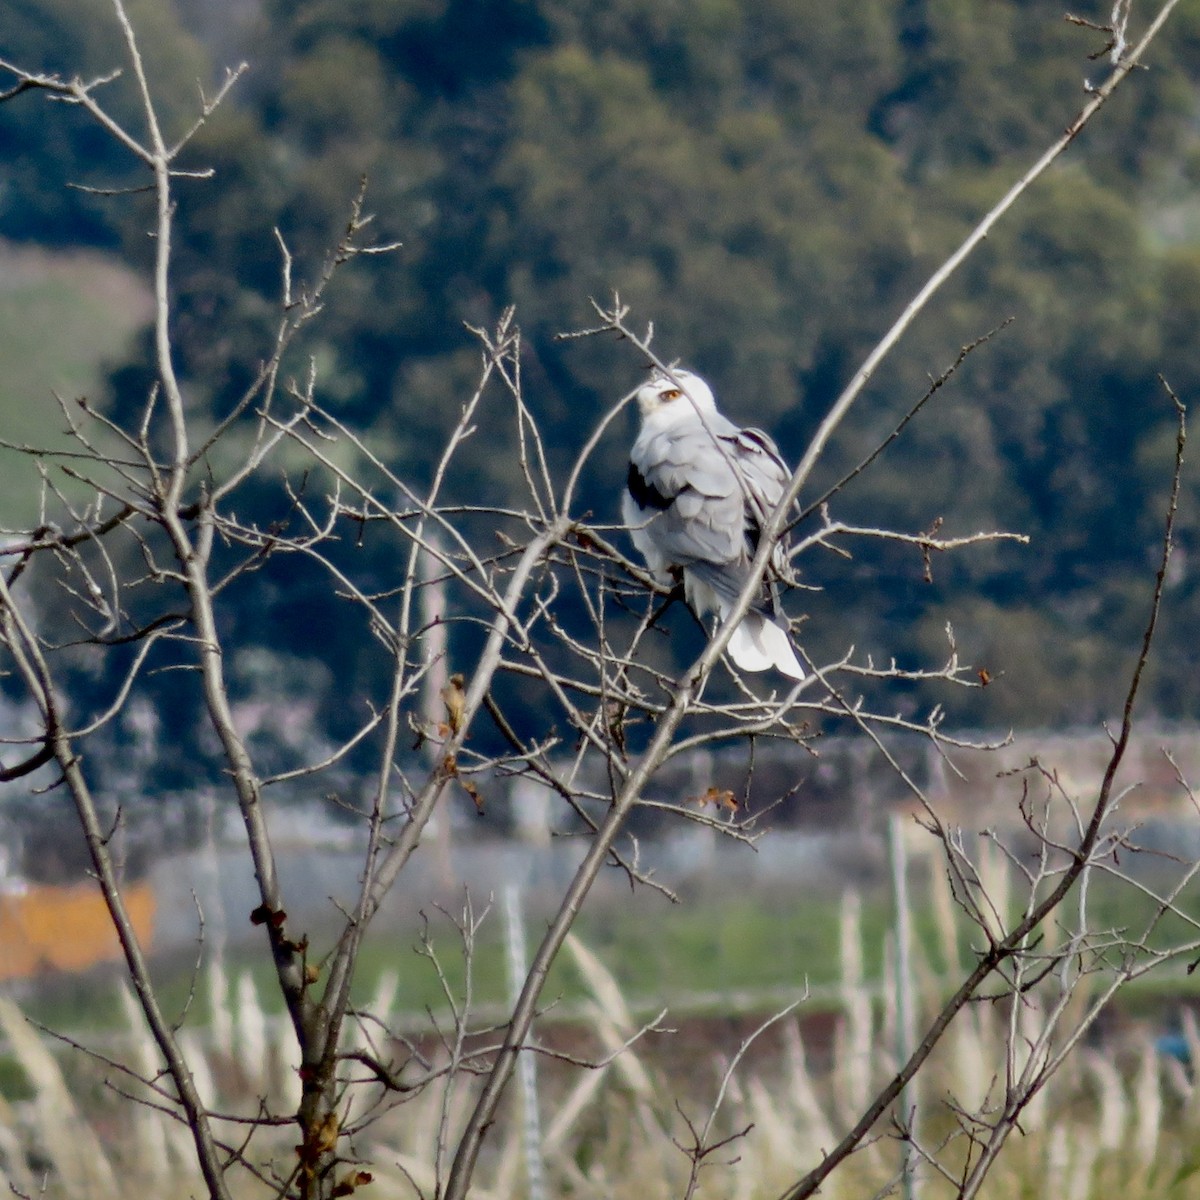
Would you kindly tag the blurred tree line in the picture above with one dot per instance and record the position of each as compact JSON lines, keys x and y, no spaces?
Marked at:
{"x":768,"y":182}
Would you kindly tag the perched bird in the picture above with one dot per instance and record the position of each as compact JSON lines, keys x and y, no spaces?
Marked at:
{"x":698,"y":492}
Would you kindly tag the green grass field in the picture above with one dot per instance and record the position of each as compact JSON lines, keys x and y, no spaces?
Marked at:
{"x":65,"y":318}
{"x":749,"y":950}
{"x":752,"y":943}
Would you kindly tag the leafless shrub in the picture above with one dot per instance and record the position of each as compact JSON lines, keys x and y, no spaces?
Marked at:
{"x":145,"y":568}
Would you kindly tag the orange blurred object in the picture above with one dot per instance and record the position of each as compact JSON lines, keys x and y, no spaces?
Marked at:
{"x":47,"y":928}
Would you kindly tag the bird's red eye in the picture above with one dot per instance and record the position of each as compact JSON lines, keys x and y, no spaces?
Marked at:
{"x":671,"y":394}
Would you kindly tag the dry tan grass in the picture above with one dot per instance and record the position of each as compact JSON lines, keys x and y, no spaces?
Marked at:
{"x":1116,"y":1119}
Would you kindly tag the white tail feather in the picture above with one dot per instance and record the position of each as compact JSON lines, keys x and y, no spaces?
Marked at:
{"x":758,"y":643}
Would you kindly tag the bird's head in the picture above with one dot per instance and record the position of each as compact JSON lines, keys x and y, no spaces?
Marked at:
{"x":680,"y":389}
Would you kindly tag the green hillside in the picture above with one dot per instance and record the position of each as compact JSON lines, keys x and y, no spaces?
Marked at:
{"x":768,"y":183}
{"x":66,"y":318}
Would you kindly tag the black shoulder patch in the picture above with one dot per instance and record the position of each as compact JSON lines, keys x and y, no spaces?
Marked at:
{"x":756,"y":439}
{"x":645,"y":495}
{"x":753,"y":533}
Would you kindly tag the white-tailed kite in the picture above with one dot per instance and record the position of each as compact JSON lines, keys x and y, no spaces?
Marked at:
{"x":698,"y":492}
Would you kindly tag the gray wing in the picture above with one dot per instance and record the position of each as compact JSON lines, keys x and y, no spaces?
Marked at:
{"x":765,"y":477}
{"x":706,"y":492}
